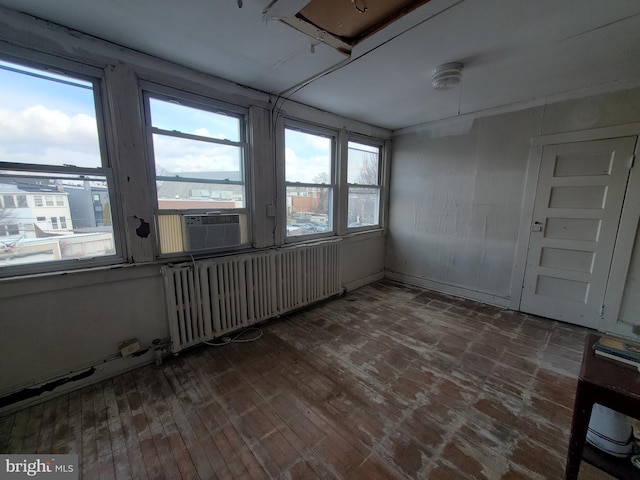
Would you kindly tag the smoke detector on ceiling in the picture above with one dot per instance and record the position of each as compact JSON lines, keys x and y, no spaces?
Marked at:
{"x":447,"y":75}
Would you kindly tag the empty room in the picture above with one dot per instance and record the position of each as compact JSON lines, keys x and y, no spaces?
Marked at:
{"x":337,"y":239}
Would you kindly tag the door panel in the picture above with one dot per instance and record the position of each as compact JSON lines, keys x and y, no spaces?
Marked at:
{"x":576,"y":214}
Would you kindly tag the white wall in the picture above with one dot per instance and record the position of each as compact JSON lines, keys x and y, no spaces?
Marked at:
{"x":58,"y":325}
{"x":630,"y":307}
{"x":362,"y":258}
{"x":455,"y":206}
{"x":457,"y":192}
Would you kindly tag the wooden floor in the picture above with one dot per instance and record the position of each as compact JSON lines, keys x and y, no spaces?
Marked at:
{"x":387,"y":382}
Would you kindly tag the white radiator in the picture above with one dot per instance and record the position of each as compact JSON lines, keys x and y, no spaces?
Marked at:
{"x":209,"y":298}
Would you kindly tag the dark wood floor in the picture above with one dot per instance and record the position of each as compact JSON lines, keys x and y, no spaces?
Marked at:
{"x":387,"y":382}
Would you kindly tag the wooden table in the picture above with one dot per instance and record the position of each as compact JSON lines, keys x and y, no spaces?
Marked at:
{"x":614,"y":385}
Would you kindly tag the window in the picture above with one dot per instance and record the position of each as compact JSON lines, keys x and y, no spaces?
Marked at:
{"x":51,"y":158}
{"x":63,"y":223}
{"x":363,"y":179}
{"x":41,"y":219}
{"x":198,"y":153}
{"x":9,"y":201}
{"x":309,"y":174}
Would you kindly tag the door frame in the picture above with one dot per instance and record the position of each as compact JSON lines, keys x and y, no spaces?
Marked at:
{"x":626,"y":230}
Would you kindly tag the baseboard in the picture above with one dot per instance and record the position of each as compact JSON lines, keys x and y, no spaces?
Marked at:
{"x":448,"y":289}
{"x":361,"y":282}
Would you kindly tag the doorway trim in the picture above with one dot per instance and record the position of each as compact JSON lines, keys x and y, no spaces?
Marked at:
{"x":626,"y":231}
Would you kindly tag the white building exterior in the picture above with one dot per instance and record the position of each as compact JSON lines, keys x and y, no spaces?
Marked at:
{"x":24,"y":212}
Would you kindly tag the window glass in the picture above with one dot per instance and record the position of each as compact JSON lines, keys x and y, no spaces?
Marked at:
{"x":181,"y":157}
{"x":363,"y":164}
{"x":9,"y":201}
{"x":308,"y":157}
{"x":198,"y":157}
{"x":52,"y":162}
{"x":47,"y":119}
{"x":308,"y":210}
{"x":308,"y":175}
{"x":363,"y":176}
{"x":199,"y":163}
{"x":172,"y":116}
{"x":363,"y":207}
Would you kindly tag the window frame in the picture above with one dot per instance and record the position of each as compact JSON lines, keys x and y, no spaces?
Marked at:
{"x":170,"y":94}
{"x":333,"y":186}
{"x":94,"y":76}
{"x":371,"y":142}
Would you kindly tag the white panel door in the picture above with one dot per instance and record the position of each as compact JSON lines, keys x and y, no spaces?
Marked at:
{"x":579,"y":197}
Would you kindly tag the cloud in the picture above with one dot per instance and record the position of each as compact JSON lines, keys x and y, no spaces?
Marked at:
{"x":44,"y":136}
{"x":177,"y":155}
{"x":306,"y":169}
{"x":203,"y":132}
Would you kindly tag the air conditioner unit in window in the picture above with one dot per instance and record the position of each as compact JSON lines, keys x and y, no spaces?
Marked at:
{"x":209,"y":231}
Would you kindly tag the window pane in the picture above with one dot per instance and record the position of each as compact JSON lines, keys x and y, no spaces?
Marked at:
{"x":363,"y":164}
{"x":46,"y":119}
{"x":308,"y":210}
{"x":9,"y":201}
{"x":194,"y":121}
{"x":176,"y":195}
{"x":74,"y":228}
{"x":192,"y":159}
{"x":308,"y":157}
{"x":183,"y":157}
{"x":363,"y":207}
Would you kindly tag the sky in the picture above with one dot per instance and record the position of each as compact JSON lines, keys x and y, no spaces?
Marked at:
{"x":177,"y":156}
{"x":306,"y":156}
{"x":52,"y":121}
{"x":46,"y":122}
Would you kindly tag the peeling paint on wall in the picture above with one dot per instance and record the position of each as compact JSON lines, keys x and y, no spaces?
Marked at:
{"x":144,"y":229}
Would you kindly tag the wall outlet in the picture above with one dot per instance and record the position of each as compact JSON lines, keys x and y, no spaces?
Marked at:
{"x":271,"y":210}
{"x":129,"y":348}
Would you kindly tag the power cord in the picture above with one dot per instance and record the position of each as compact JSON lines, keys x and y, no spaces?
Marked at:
{"x":236,"y":338}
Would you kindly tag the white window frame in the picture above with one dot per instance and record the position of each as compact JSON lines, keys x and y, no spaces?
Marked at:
{"x":197,"y":101}
{"x":379,"y":186}
{"x":95,"y":76}
{"x":309,"y":128}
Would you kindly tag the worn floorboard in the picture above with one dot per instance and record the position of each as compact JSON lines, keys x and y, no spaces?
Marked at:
{"x":387,"y":382}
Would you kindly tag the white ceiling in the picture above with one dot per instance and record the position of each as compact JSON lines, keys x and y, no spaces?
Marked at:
{"x":514,"y":51}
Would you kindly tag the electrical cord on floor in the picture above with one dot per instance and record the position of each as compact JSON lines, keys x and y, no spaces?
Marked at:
{"x":236,"y":338}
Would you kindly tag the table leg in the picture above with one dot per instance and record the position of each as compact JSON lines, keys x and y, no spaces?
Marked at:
{"x":579,"y":426}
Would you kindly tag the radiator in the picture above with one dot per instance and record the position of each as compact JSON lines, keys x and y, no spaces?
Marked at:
{"x":209,"y":298}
